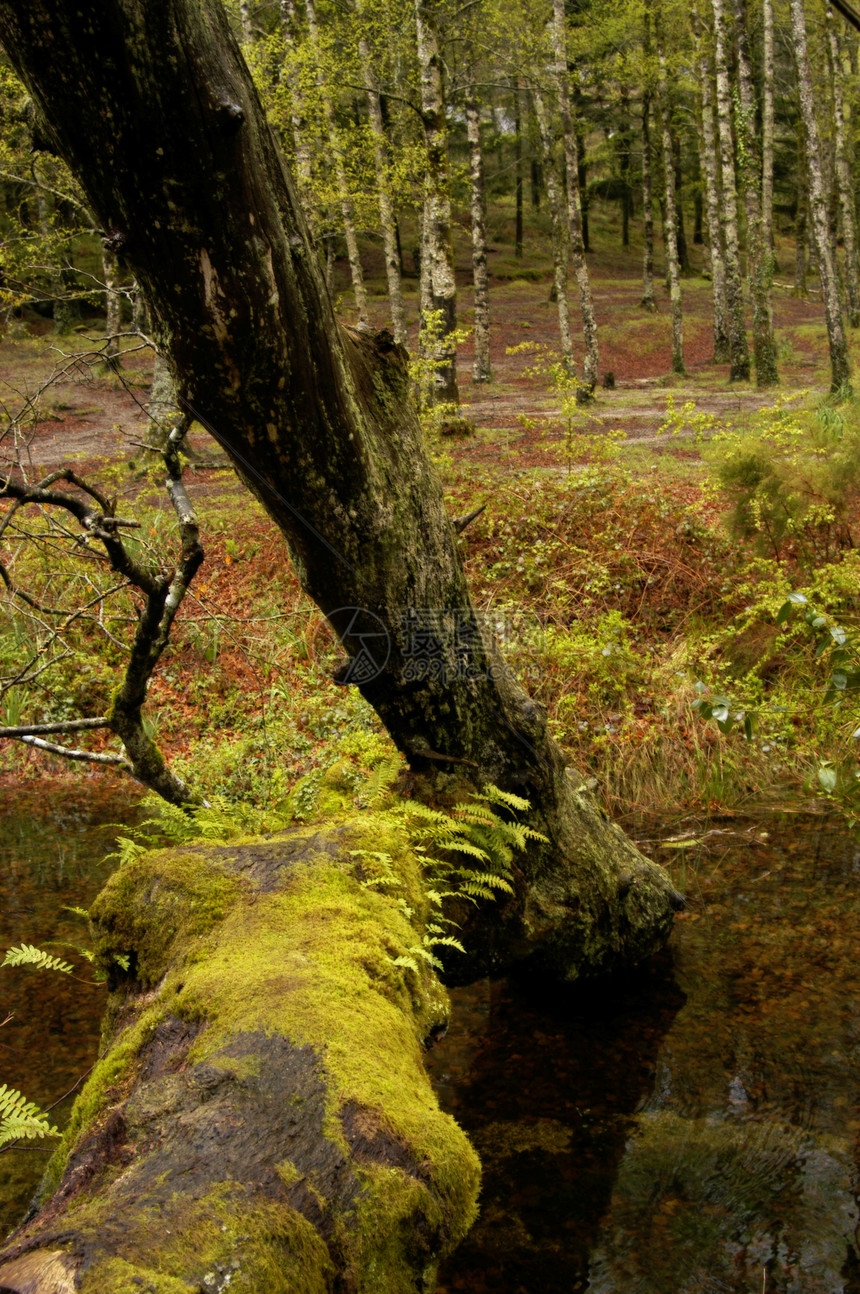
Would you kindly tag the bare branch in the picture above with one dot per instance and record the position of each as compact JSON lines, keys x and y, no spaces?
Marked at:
{"x":88,"y":756}
{"x":67,"y":725}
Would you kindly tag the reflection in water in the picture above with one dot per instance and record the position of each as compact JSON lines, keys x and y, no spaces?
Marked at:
{"x":51,"y":850}
{"x":679,"y":1135}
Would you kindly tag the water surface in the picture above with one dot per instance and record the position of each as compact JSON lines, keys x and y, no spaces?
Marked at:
{"x":52,"y":844}
{"x":692,"y":1129}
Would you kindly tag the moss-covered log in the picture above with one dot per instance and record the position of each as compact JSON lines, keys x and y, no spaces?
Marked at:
{"x":260,"y":1118}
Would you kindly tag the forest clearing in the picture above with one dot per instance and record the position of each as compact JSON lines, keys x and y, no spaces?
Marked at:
{"x":430,"y":576}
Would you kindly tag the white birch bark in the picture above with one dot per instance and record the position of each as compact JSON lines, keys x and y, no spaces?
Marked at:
{"x":670,"y":223}
{"x":710,"y":172}
{"x":481,"y":369}
{"x":558,"y":218}
{"x":649,"y":301}
{"x":738,"y":349}
{"x":574,"y":202}
{"x":437,"y":258}
{"x":759,"y":259}
{"x":843,"y":175}
{"x":840,"y":367}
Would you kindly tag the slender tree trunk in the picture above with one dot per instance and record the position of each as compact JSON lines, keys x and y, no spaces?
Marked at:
{"x":518,"y":173}
{"x":298,"y":121}
{"x":574,"y":207}
{"x":245,"y":22}
{"x":844,"y":182}
{"x":536,"y":183}
{"x":113,"y":307}
{"x":767,"y":128}
{"x":481,"y":370}
{"x":710,"y":170}
{"x":624,"y":150}
{"x":840,"y":366}
{"x":801,"y":266}
{"x":438,"y":248}
{"x":669,"y":224}
{"x":738,"y":349}
{"x":320,"y":424}
{"x":649,"y":301}
{"x":558,"y":217}
{"x":337,"y":158}
{"x":386,"y":206}
{"x":678,"y":182}
{"x":759,"y":258}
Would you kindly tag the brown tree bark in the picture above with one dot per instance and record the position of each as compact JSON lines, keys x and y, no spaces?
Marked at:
{"x":319,"y":423}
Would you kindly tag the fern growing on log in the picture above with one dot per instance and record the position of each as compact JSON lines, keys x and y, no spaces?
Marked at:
{"x":29,"y":955}
{"x":21,"y":1118}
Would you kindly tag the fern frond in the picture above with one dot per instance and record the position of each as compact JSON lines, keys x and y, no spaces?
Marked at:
{"x":445,"y":941}
{"x":409,"y":962}
{"x":21,"y":1118}
{"x":28,"y":955}
{"x":495,"y":795}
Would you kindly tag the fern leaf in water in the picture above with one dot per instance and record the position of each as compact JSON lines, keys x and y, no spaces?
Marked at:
{"x":28,"y":955}
{"x":21,"y":1118}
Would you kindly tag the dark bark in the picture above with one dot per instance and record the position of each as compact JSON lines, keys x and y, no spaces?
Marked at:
{"x":319,"y":423}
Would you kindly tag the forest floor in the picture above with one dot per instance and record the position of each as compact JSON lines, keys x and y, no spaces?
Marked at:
{"x":607,"y":555}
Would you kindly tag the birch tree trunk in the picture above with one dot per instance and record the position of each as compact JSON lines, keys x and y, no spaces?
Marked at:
{"x":481,"y":369}
{"x":558,"y":218}
{"x":649,"y":301}
{"x":840,"y":366}
{"x":767,"y":128}
{"x":710,"y":169}
{"x":738,"y":349}
{"x":844,"y":182}
{"x":518,"y":173}
{"x":298,"y":111}
{"x":438,"y":249}
{"x":670,"y":228}
{"x":759,"y":259}
{"x":387,"y":220}
{"x":574,"y":203}
{"x":346,"y":206}
{"x":113,"y":306}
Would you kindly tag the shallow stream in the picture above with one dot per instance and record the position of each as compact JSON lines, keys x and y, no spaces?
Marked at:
{"x":692,"y":1129}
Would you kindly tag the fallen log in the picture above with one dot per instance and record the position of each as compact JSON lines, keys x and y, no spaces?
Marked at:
{"x":259,"y":1119}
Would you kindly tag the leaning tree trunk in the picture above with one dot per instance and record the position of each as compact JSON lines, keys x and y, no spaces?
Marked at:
{"x":844,"y":183}
{"x":320,"y":424}
{"x":710,"y":168}
{"x":738,"y":349}
{"x":113,"y":302}
{"x":481,"y":368}
{"x":437,"y":259}
{"x":670,"y":226}
{"x":840,"y":366}
{"x":759,"y":258}
{"x":387,"y":218}
{"x":574,"y":201}
{"x":558,"y":220}
{"x":259,"y":1117}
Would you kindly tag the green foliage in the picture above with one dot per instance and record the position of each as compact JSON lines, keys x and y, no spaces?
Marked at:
{"x":19,"y":1118}
{"x":28,"y":955}
{"x":791,"y":479}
